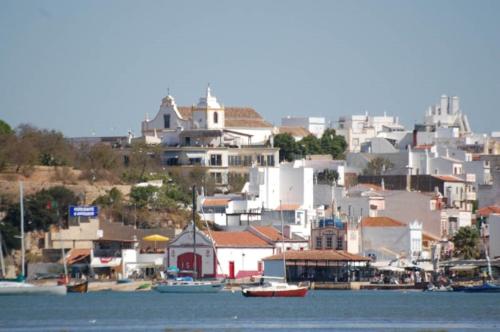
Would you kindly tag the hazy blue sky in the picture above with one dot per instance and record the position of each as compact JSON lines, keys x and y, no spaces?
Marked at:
{"x":100,"y":66}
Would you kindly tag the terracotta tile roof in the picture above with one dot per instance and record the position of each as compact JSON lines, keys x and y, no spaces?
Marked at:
{"x":326,"y":255}
{"x":270,"y":232}
{"x":448,"y":178}
{"x":423,"y":147}
{"x":216,"y":201}
{"x":429,"y":237}
{"x":381,"y":222}
{"x":294,"y":131}
{"x":76,"y":255}
{"x":235,"y":117}
{"x":238,"y":240}
{"x":288,"y":207}
{"x":487,"y":210}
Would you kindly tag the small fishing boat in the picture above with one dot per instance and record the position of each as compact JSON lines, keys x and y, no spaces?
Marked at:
{"x":78,"y":287}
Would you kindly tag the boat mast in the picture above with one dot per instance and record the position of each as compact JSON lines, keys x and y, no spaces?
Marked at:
{"x":21,"y":207}
{"x":195,"y":268}
{"x":1,"y":256}
{"x":283,"y":241}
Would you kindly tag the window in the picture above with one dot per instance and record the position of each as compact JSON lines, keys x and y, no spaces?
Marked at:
{"x":216,"y":117}
{"x":217,"y":177}
{"x":234,"y":160}
{"x":247,"y":160}
{"x":260,"y":160}
{"x":166,"y":120}
{"x":194,"y":161}
{"x":329,"y":242}
{"x":216,"y":160}
{"x":340,"y":243}
{"x":270,"y":160}
{"x":319,"y":243}
{"x":187,"y":140}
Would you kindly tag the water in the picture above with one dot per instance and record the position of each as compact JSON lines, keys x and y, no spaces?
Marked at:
{"x":226,"y":311}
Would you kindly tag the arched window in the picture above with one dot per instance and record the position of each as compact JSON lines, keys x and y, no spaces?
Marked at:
{"x":216,"y":117}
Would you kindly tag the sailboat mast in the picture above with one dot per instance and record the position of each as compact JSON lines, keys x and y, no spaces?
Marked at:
{"x":283,"y":241}
{"x":1,"y":256}
{"x":21,"y":207}
{"x":195,"y":268}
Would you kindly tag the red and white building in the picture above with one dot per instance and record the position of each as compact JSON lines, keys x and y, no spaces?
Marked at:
{"x":237,"y":254}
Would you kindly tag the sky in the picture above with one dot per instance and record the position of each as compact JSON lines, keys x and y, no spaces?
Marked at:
{"x":98,"y":67}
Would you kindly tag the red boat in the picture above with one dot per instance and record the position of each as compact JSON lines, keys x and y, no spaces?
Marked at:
{"x":275,"y":289}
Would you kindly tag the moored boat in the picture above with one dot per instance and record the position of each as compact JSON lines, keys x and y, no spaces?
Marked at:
{"x":275,"y":289}
{"x":484,"y":288}
{"x":78,"y":287}
{"x":188,"y":285}
{"x":21,"y":288}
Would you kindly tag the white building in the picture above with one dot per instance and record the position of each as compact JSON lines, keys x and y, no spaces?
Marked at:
{"x":386,"y":239}
{"x":315,"y":125}
{"x":358,"y":129}
{"x":447,"y":113}
{"x":494,"y":232}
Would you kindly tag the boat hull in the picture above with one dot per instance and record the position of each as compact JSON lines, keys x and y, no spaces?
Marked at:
{"x":298,"y":292}
{"x":189,"y":288}
{"x":486,"y":288}
{"x":32,"y":290}
{"x":81,"y":287}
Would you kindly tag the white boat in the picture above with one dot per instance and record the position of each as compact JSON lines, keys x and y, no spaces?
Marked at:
{"x":275,"y":289}
{"x":22,"y":288}
{"x":188,"y":286}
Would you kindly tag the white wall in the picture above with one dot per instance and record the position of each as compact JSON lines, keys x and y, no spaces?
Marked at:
{"x":248,"y":262}
{"x":494,"y":229}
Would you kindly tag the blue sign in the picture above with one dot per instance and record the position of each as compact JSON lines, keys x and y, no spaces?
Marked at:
{"x":83,"y":211}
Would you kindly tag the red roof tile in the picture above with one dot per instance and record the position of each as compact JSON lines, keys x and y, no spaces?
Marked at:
{"x":270,"y":232}
{"x":294,"y":131}
{"x":448,"y":178}
{"x":487,"y":210}
{"x":235,"y":117}
{"x":216,"y":201}
{"x":76,"y":255}
{"x":238,"y":240}
{"x":288,"y":207}
{"x":381,"y":222}
{"x":315,"y":255}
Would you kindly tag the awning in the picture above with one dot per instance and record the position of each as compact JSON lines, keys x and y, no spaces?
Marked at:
{"x":390,"y":268}
{"x":106,"y":261}
{"x":194,"y":155}
{"x":465,"y":267}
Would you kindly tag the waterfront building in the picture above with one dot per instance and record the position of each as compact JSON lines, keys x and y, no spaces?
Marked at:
{"x":319,"y":266}
{"x":234,"y":254}
{"x":494,"y":234}
{"x":385,"y":239}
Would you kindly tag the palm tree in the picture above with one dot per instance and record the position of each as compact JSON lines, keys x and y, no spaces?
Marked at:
{"x":466,"y":242}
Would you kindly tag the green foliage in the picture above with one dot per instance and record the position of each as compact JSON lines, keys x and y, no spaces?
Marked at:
{"x":377,"y":166}
{"x":329,"y":143}
{"x":142,"y":161}
{"x":99,"y":162}
{"x":332,"y":144}
{"x":142,"y":197}
{"x":328,"y":176}
{"x":236,"y":181}
{"x":289,"y":149}
{"x":113,"y":197}
{"x":5,"y":128}
{"x":37,"y":213}
{"x":466,"y":242}
{"x":311,"y":145}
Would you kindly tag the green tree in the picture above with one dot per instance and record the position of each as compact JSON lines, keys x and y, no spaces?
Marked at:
{"x":333,"y":144}
{"x":143,"y":159}
{"x":289,"y":149}
{"x":99,"y":162}
{"x":143,"y":197}
{"x":466,"y":242}
{"x":42,"y":209}
{"x":377,"y":166}
{"x":328,"y":176}
{"x":5,"y":129}
{"x":311,"y":145}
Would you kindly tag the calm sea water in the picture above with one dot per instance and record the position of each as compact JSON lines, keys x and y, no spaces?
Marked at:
{"x":226,"y":311}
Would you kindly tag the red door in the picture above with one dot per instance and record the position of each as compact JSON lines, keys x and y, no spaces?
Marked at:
{"x":186,"y":262}
{"x":259,"y":266}
{"x":231,"y":270}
